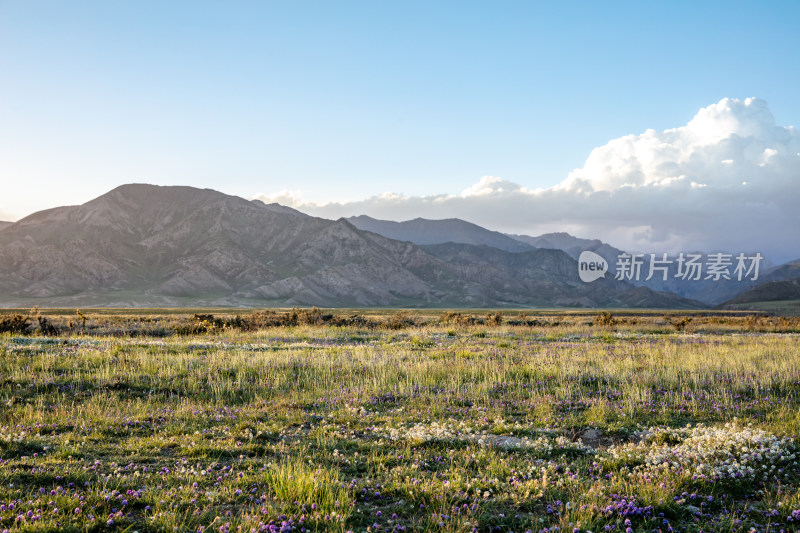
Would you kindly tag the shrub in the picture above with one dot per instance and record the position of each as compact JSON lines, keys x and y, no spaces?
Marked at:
{"x":46,"y":328}
{"x":681,"y":323}
{"x":606,"y":319}
{"x":15,"y":324}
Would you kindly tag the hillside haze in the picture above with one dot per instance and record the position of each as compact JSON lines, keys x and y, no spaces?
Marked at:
{"x":182,"y":246}
{"x":426,"y":231}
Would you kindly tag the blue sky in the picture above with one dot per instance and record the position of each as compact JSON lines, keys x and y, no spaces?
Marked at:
{"x":340,"y":100}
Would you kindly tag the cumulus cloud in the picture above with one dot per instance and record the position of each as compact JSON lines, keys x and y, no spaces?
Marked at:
{"x":727,"y":180}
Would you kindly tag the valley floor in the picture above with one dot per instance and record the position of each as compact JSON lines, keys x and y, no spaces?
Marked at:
{"x":399,"y":422}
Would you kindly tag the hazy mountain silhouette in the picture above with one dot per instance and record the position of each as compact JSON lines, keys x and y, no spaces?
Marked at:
{"x":777,"y":284}
{"x":783,"y":272}
{"x":570,"y":244}
{"x":546,"y":277}
{"x":426,"y":231}
{"x":770,"y":291}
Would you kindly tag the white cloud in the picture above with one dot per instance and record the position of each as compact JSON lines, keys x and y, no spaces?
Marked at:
{"x":493,"y":186}
{"x":728,"y":180}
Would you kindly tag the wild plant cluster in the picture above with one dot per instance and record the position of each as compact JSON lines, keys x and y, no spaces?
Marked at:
{"x":158,"y":323}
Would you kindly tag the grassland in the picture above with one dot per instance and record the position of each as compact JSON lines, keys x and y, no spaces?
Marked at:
{"x":399,"y":421}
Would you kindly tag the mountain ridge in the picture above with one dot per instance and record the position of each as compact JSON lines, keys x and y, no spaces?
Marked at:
{"x":771,"y":291}
{"x":429,"y":231}
{"x":709,"y":291}
{"x":143,"y":244}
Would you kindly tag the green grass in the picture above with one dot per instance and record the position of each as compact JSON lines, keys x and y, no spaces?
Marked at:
{"x":445,"y":425}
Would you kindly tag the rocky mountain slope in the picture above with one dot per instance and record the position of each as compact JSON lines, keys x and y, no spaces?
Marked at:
{"x":181,"y":246}
{"x":143,"y":243}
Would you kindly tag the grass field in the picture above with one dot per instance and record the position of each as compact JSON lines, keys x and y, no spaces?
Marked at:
{"x":399,"y":421}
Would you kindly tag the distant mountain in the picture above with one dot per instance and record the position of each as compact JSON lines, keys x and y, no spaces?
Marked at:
{"x":4,"y":224}
{"x":179,"y":246}
{"x":777,"y":284}
{"x":426,"y":231}
{"x":548,"y":276}
{"x":783,"y":272}
{"x":573,"y":246}
{"x":709,"y":291}
{"x":770,"y":291}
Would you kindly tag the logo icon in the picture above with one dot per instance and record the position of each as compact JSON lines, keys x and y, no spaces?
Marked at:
{"x":591,"y":266}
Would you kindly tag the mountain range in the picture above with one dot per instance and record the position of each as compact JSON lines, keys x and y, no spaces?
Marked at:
{"x":146,"y":245}
{"x":708,"y":291}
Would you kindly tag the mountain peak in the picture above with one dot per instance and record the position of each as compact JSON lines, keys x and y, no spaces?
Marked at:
{"x":144,"y":193}
{"x":278,"y":208}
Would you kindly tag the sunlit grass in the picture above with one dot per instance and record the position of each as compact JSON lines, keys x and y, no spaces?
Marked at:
{"x":438,"y":425}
